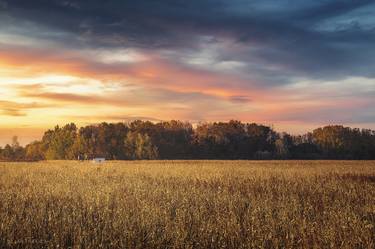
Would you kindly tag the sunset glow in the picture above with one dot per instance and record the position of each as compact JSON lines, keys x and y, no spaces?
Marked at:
{"x":118,"y":61}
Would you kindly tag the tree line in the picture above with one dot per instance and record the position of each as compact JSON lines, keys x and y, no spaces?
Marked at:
{"x":180,"y":140}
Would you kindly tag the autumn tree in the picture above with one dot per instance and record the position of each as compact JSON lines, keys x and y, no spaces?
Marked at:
{"x":339,"y":142}
{"x":34,"y":152}
{"x":57,"y":143}
{"x":139,"y":146}
{"x":283,"y":146}
{"x":179,"y":140}
{"x":12,"y":152}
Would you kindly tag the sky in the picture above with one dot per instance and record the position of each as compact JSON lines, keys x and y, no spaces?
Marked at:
{"x":295,"y":65}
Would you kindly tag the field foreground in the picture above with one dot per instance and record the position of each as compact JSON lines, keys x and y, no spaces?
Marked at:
{"x":188,"y":204}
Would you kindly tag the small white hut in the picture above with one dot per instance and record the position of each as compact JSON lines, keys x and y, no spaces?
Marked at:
{"x":98,"y":160}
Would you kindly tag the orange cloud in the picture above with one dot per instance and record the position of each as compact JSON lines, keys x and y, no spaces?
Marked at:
{"x":154,"y":87}
{"x":68,"y":97}
{"x":10,"y":108}
{"x":154,"y":72}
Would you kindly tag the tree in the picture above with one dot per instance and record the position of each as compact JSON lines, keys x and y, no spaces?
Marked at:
{"x":261,"y":140}
{"x":173,"y":139}
{"x":283,"y":145}
{"x":58,"y":142}
{"x":34,"y":151}
{"x":139,"y":146}
{"x":7,"y":153}
{"x":335,"y":141}
{"x":232,"y":140}
{"x":13,"y":152}
{"x":179,"y":140}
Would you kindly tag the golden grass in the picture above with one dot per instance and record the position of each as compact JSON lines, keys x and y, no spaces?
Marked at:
{"x":188,"y":204}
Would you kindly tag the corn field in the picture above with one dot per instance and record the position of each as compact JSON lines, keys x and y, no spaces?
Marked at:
{"x":188,"y":204}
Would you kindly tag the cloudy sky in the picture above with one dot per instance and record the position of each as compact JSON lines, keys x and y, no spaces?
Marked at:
{"x":292,"y":64}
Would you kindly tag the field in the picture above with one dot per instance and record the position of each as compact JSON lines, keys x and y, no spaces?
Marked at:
{"x":188,"y":204}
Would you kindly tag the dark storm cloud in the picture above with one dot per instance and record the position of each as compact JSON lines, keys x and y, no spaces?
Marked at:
{"x":294,"y":38}
{"x":328,"y":9}
{"x":3,"y":5}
